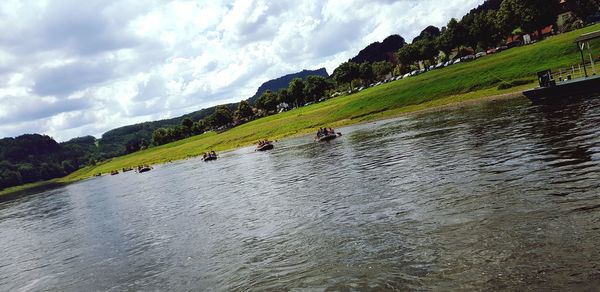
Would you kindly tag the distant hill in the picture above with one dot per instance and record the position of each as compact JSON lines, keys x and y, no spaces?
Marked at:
{"x":283,"y":82}
{"x":113,"y":142}
{"x":377,"y":51}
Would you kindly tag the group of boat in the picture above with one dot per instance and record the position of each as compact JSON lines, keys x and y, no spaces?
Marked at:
{"x":323,"y":135}
{"x":138,"y":169}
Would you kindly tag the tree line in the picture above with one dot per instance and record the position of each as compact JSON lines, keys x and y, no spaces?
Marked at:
{"x":298,"y":93}
{"x":33,"y":157}
{"x":484,"y":27}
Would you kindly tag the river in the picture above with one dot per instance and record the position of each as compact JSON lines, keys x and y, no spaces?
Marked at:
{"x":500,"y":195}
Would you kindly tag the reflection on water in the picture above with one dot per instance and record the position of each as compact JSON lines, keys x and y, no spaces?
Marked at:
{"x":501,"y":195}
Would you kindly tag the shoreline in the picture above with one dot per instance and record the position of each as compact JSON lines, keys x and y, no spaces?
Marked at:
{"x":33,"y":188}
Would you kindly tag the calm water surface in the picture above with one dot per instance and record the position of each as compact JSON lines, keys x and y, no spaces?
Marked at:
{"x":504,"y":195}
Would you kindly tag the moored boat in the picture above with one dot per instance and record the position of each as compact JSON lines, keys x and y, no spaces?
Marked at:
{"x":565,"y":87}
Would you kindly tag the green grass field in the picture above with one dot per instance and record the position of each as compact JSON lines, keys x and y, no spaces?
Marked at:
{"x":454,"y":84}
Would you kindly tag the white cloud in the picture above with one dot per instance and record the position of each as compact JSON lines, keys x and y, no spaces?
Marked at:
{"x":71,"y":68}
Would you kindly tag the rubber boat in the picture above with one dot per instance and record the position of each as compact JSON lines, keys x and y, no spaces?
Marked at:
{"x":209,"y":158}
{"x":145,"y":169}
{"x":265,"y":147}
{"x":327,"y":137}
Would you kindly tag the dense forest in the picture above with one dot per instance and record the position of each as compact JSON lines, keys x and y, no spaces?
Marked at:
{"x":33,"y":157}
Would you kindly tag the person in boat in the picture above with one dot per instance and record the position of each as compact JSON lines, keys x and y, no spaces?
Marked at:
{"x":204,"y":155}
{"x":213,"y":154}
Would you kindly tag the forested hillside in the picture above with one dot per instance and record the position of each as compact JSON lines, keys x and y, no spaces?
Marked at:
{"x":33,"y":157}
{"x":283,"y":82}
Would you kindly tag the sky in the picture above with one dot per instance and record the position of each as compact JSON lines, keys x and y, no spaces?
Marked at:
{"x":71,"y":68}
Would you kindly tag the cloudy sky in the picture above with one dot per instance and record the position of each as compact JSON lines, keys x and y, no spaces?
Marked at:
{"x":70,"y":68}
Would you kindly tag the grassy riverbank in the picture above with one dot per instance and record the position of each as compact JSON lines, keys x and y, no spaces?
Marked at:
{"x":451,"y":85}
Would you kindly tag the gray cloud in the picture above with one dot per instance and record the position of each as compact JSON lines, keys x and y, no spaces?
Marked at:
{"x":31,"y":110}
{"x":69,"y":78}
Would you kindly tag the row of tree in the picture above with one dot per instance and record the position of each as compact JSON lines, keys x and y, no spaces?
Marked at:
{"x":298,"y":93}
{"x":221,"y":118}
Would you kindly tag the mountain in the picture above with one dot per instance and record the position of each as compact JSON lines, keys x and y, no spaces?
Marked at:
{"x":377,"y":51}
{"x":282,"y":82}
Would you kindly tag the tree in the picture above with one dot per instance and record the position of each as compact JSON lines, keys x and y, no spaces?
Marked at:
{"x":453,"y":36}
{"x":583,"y":8}
{"x":144,"y":144}
{"x":267,"y":101}
{"x":296,"y":91}
{"x":429,"y":33}
{"x":28,"y":173}
{"x":132,"y":145}
{"x":484,"y":30}
{"x":346,"y":72}
{"x":366,"y":72}
{"x":9,"y":178}
{"x":381,"y":69}
{"x":284,"y":97}
{"x":67,"y":166}
{"x":159,"y":136}
{"x":408,"y":55}
{"x":199,"y":127}
{"x":531,"y":15}
{"x":315,"y":87}
{"x":187,"y":122}
{"x":427,"y":50}
{"x":220,"y":117}
{"x":243,"y":112}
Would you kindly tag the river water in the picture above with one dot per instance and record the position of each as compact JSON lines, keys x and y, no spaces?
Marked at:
{"x":501,"y":195}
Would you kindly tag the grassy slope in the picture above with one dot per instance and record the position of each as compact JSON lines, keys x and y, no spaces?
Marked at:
{"x":440,"y":87}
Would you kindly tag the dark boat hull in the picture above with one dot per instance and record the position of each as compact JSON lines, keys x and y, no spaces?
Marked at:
{"x":210,"y":158}
{"x":584,"y":87}
{"x":326,"y":138}
{"x":265,"y":147}
{"x":145,"y":169}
